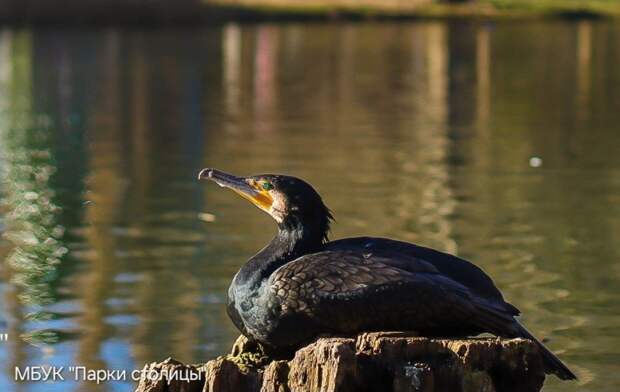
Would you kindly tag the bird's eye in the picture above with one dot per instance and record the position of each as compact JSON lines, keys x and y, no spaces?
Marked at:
{"x":267,"y":186}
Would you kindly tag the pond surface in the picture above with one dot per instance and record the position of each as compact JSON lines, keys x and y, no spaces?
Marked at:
{"x":498,"y":142}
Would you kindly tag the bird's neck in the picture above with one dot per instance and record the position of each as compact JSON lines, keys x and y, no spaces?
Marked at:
{"x":291,"y":242}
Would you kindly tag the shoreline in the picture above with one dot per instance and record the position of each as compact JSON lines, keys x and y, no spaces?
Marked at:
{"x":485,"y":9}
{"x":222,"y":11}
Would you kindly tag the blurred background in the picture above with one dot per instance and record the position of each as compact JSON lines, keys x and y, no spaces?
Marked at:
{"x":497,"y":140}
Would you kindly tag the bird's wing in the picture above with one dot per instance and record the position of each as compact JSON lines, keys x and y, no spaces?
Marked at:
{"x":346,"y":291}
{"x":457,"y":269}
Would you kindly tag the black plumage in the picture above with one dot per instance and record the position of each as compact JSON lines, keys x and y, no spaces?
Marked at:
{"x":301,"y":285}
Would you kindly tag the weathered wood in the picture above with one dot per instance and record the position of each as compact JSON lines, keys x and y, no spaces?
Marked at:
{"x":381,"y":361}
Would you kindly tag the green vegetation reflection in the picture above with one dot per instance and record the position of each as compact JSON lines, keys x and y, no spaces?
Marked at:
{"x":31,"y":214}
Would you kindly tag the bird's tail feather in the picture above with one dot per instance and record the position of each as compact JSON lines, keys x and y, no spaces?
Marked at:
{"x":552,"y":363}
{"x":504,"y":324}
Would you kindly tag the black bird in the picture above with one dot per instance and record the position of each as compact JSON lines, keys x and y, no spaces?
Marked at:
{"x":301,"y":285}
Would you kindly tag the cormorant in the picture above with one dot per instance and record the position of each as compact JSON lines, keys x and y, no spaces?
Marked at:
{"x":301,"y":285}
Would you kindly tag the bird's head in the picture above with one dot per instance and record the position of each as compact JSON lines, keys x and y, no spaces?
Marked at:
{"x":290,"y":201}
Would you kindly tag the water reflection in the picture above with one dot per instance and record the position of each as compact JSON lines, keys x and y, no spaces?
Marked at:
{"x":584,"y":59}
{"x":417,"y":131}
{"x":32,"y":219}
{"x":231,"y":68}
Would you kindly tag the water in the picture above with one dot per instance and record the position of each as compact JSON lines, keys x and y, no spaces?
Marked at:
{"x":496,"y":142}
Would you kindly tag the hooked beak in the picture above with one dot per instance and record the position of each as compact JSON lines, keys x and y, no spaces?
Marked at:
{"x":244,"y":187}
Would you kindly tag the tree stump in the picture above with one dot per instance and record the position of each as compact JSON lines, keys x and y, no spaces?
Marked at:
{"x":378,"y":361}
